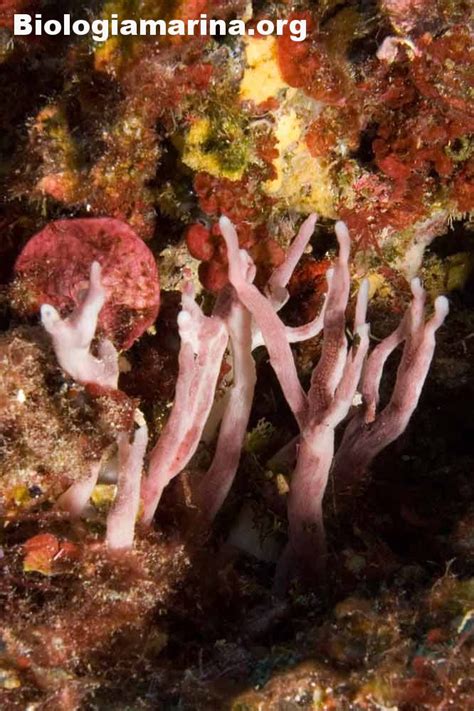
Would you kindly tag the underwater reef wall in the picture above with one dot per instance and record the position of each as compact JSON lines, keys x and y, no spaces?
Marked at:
{"x":236,"y":417}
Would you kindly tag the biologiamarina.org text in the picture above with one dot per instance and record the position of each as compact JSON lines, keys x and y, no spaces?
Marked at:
{"x":204,"y":26}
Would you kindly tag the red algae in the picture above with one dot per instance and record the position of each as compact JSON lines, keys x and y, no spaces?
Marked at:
{"x":248,"y":207}
{"x":309,"y":66}
{"x":208,"y":246}
{"x":335,"y":130}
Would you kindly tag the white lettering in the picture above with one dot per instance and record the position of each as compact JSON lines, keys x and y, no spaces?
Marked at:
{"x":177,"y":27}
{"x":153,"y":27}
{"x":22,"y":25}
{"x":281,"y":24}
{"x":192,"y":25}
{"x":217,"y":28}
{"x":265,"y":27}
{"x":81,"y":28}
{"x":53,"y":27}
{"x":114,"y":28}
{"x":129,"y":28}
{"x":100,"y":31}
{"x":298,"y":30}
{"x":236,"y":28}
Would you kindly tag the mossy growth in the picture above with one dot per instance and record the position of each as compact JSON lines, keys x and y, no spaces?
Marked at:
{"x":258,"y":439}
{"x":452,"y":273}
{"x":461,"y":149}
{"x":111,"y":56}
{"x":218,"y":144}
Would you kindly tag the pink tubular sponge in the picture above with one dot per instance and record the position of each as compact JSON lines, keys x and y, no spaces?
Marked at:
{"x":342,"y":371}
{"x":243,"y":318}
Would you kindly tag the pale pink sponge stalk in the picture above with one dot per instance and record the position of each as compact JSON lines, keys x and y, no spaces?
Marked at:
{"x":369,"y":432}
{"x":123,"y":515}
{"x":334,"y":385}
{"x":216,"y":483}
{"x":72,"y":338}
{"x":203,"y":344}
{"x":245,"y":336}
{"x":124,"y":512}
{"x":76,"y":498}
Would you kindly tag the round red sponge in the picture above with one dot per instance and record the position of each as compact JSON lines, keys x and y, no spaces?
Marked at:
{"x":54,"y":268}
